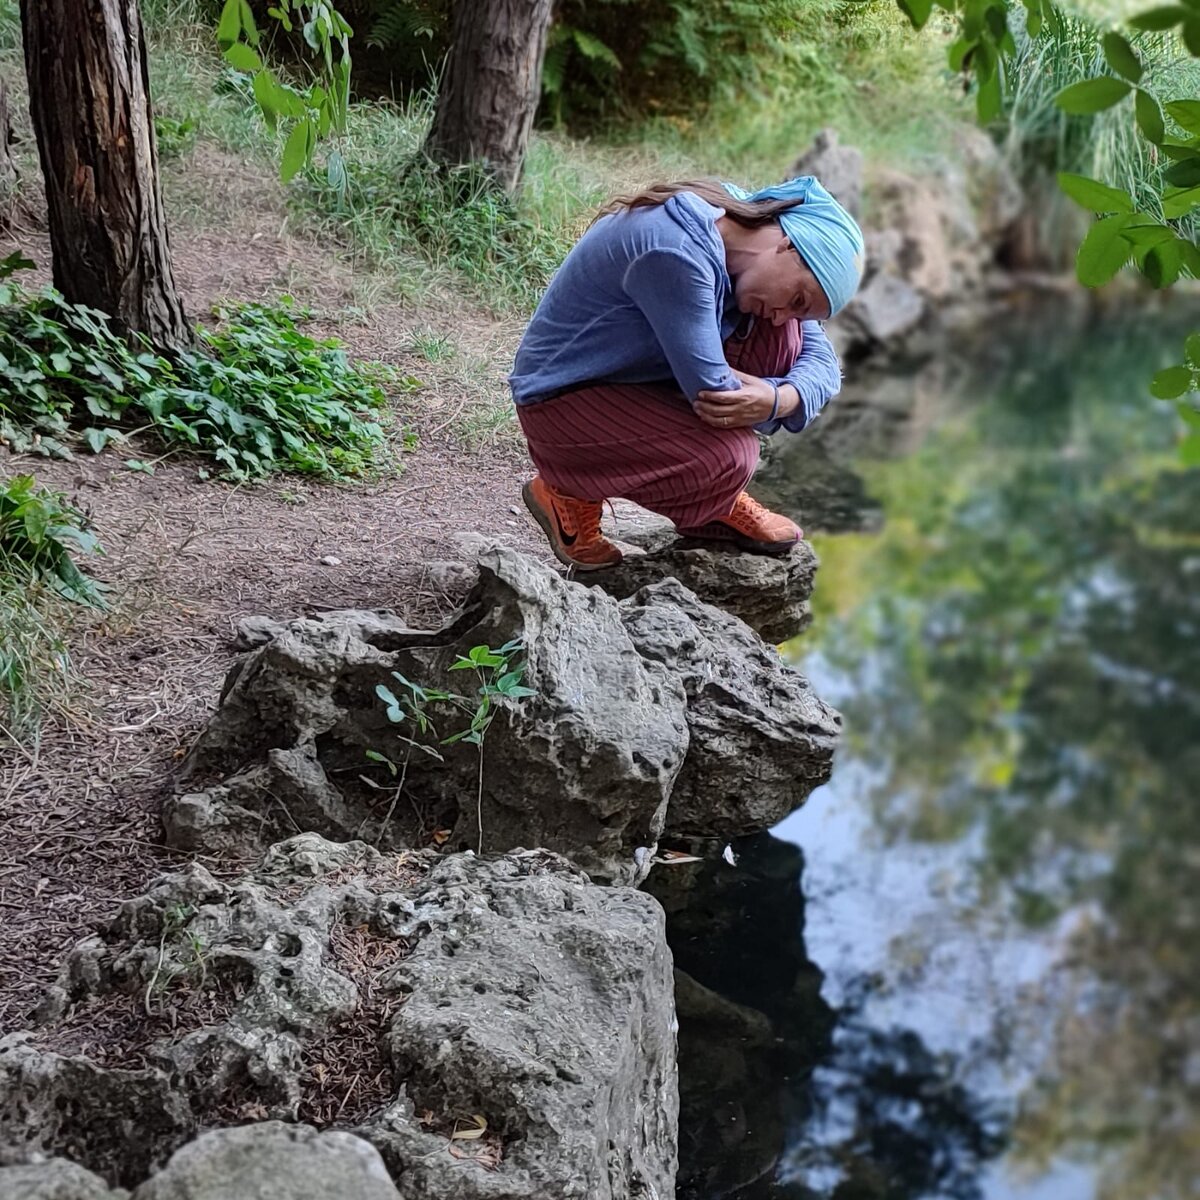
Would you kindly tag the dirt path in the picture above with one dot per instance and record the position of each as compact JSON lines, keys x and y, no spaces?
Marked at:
{"x":186,"y":559}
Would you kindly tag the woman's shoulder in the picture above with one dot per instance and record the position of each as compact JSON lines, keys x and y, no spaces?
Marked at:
{"x":683,"y":224}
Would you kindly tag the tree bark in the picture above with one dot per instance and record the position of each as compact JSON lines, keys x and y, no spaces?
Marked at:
{"x":9,"y":179}
{"x":89,"y":97}
{"x":491,"y":86}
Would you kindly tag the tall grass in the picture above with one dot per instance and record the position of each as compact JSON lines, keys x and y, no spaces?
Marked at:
{"x":1041,"y":139}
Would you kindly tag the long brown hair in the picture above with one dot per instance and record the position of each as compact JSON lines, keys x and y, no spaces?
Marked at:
{"x":750,"y":213}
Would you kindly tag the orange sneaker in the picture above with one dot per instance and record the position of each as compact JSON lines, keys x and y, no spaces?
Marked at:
{"x":572,"y":527}
{"x":751,"y":527}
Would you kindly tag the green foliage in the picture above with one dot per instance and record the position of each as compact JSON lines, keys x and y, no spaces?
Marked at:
{"x":499,"y":678}
{"x":175,"y":137}
{"x":39,"y":533}
{"x":307,"y":114}
{"x":455,"y":218}
{"x":1152,"y":221}
{"x":39,"y":530}
{"x":266,"y":397}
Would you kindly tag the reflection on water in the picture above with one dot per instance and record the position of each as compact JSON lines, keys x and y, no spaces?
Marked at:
{"x":983,"y":983}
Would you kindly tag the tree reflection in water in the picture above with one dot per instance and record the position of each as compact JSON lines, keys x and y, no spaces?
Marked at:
{"x":1017,"y":654}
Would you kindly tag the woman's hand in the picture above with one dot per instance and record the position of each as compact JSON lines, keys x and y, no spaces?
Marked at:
{"x":747,"y":405}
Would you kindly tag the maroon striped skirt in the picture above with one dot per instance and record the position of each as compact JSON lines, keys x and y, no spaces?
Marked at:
{"x":643,"y":442}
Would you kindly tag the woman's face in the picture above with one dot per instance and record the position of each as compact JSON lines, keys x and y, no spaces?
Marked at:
{"x":776,"y":284}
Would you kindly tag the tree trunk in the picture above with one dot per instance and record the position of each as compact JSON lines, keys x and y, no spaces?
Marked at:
{"x":491,"y":86}
{"x":9,"y":180}
{"x":89,"y":98}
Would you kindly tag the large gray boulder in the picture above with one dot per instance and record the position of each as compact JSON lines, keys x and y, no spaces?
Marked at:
{"x":55,"y":1179}
{"x":761,"y":739}
{"x":621,"y":721}
{"x":398,"y":996}
{"x":272,"y":1161}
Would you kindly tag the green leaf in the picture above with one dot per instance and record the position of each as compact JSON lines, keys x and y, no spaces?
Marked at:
{"x":1171,"y":382}
{"x":97,"y":439}
{"x":989,"y":99}
{"x":917,"y":11}
{"x":1156,"y":19}
{"x":1191,"y":36}
{"x":593,"y":48}
{"x":229,"y":27}
{"x":1120,"y":56}
{"x":1094,"y":196}
{"x":242,"y":58}
{"x":1184,"y":174}
{"x":1144,"y":236}
{"x":1189,"y":450}
{"x":265,"y":93}
{"x":1178,"y":202}
{"x":295,"y":152}
{"x":1162,"y":264}
{"x":249,"y":28}
{"x":1103,"y":252}
{"x":1185,"y":113}
{"x":1092,"y":95}
{"x":395,"y":713}
{"x":1149,"y":117}
{"x":957,"y":54}
{"x":1191,"y":349}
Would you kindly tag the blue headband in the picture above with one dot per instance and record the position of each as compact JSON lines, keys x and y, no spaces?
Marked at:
{"x":825,"y":235}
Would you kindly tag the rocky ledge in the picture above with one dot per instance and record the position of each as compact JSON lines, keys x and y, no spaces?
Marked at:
{"x":650,"y":716}
{"x":420,"y":1006}
{"x":504,"y":1016}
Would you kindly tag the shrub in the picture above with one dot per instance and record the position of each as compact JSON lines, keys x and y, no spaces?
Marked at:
{"x":265,"y":397}
{"x":39,"y":532}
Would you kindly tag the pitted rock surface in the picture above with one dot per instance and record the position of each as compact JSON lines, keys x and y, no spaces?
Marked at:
{"x":55,"y":1179}
{"x":514,"y":989}
{"x":761,"y":739}
{"x":627,"y":700}
{"x":584,"y":769}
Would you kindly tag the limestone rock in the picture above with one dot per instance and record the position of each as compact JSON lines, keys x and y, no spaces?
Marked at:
{"x":620,"y":721}
{"x":56,"y":1179}
{"x":770,"y":594}
{"x":838,"y":167}
{"x":272,"y":1161}
{"x":585,"y":769}
{"x":886,"y":308}
{"x":761,"y":740}
{"x":400,"y":995}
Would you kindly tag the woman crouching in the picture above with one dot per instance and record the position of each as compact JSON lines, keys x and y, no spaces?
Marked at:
{"x":682,"y":324}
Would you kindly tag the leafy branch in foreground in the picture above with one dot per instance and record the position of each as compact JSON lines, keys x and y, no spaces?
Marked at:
{"x":265,"y":397}
{"x":310,"y":113}
{"x":1160,"y":244}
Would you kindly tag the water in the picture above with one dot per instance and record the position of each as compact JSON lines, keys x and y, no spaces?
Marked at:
{"x":970,"y":966}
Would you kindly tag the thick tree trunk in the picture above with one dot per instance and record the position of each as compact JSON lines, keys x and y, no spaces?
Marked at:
{"x":490,"y":89}
{"x":90,"y":102}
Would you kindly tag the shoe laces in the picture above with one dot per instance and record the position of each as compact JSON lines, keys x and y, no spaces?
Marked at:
{"x":582,"y":515}
{"x":749,"y":510}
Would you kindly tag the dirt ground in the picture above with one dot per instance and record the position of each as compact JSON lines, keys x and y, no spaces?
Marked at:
{"x":185,"y":559}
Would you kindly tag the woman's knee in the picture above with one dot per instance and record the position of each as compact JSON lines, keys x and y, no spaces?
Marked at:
{"x":740,"y":450}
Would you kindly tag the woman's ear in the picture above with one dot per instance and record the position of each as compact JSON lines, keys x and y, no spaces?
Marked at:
{"x":784,"y":245}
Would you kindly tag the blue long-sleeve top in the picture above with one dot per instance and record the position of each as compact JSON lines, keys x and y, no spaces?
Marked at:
{"x":645,"y":297}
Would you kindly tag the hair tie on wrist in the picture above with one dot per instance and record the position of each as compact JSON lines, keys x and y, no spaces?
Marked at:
{"x":775,"y":406}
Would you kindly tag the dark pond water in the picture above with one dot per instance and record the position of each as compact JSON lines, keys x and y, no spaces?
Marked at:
{"x":970,"y":966}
